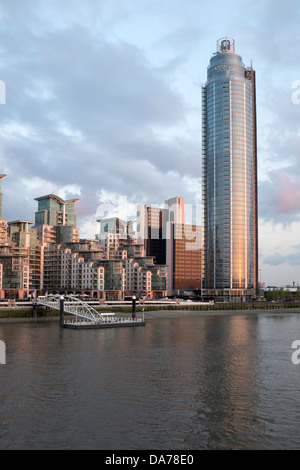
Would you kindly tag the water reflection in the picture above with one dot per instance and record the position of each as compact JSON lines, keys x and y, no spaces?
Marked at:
{"x":193,"y":383}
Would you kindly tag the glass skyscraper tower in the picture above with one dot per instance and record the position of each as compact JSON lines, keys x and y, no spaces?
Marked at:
{"x":229,"y":180}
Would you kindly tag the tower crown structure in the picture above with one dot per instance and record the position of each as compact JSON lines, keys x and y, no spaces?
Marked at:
{"x":226,"y":45}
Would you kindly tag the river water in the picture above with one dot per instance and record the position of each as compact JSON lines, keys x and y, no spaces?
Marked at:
{"x":201,"y":382}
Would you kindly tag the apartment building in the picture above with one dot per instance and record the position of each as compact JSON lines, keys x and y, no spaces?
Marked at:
{"x":55,"y":220}
{"x":48,"y":256}
{"x":172,"y":243}
{"x":66,"y":271}
{"x":128,"y":270}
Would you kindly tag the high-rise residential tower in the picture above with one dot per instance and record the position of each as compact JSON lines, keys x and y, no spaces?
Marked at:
{"x":229,"y":165}
{"x":55,"y":220}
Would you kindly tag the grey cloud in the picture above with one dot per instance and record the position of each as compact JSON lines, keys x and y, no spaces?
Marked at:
{"x":270,"y":28}
{"x":274,"y":260}
{"x":182,"y":39}
{"x":279,"y":197}
{"x":108,"y":97}
{"x":292,"y":259}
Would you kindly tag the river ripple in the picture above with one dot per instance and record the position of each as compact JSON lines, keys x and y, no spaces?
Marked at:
{"x":207,"y":382}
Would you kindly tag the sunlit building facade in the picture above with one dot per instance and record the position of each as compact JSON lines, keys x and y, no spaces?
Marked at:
{"x":229,"y":157}
{"x":172,"y":242}
{"x":187,"y":258}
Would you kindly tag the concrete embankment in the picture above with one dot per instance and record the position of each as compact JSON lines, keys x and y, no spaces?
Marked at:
{"x":198,"y":313}
{"x":25,"y":314}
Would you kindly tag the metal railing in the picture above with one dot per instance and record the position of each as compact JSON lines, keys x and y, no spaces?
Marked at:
{"x":72,"y":305}
{"x":77,"y":307}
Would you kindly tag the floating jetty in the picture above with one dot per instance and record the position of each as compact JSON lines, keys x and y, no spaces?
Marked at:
{"x":109,"y":321}
{"x":84,"y":316}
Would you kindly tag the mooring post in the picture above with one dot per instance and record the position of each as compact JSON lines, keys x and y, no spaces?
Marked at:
{"x":34,"y":310}
{"x":133,"y":306}
{"x":61,"y":311}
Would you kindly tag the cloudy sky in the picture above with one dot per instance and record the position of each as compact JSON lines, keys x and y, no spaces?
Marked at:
{"x":103,"y":103}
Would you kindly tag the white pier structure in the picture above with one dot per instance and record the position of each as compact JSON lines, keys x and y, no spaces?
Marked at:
{"x":88,"y":316}
{"x":72,"y":305}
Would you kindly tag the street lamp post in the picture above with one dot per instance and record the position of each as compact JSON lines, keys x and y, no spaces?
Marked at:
{"x":61,"y":311}
{"x":133,"y":306}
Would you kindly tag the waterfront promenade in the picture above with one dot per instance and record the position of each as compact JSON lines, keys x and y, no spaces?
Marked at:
{"x":23,"y":311}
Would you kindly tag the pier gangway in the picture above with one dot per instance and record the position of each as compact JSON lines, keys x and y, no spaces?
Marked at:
{"x":88,"y":316}
{"x":72,"y":305}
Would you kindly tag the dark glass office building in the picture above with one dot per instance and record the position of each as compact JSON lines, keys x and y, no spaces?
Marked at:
{"x":229,"y":157}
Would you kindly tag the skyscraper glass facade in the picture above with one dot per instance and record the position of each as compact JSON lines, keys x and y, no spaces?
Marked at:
{"x":229,"y":176}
